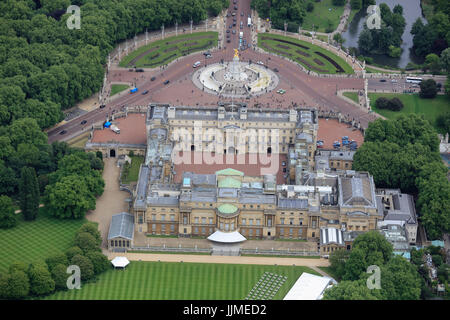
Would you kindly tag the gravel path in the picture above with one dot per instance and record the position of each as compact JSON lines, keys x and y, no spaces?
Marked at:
{"x":222,"y":259}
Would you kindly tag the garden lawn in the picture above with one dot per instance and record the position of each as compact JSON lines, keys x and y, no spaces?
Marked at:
{"x":180,"y":281}
{"x":322,"y":17}
{"x":133,"y":174}
{"x":116,"y":88}
{"x":412,"y":103}
{"x":163,"y":51}
{"x":352,"y":95}
{"x":329,"y":271}
{"x":304,"y":53}
{"x":38,"y":239}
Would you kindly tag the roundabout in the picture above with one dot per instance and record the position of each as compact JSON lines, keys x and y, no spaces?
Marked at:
{"x":235,"y":79}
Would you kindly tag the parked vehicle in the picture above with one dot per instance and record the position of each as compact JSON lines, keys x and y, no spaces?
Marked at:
{"x":196,"y":64}
{"x":153,"y":79}
{"x":166,"y":82}
{"x":63,"y":132}
{"x":115,"y":129}
{"x":145,"y":92}
{"x":83,"y":122}
{"x":133,"y":90}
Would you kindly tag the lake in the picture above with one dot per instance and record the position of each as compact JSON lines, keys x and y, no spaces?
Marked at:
{"x":411,"y":11}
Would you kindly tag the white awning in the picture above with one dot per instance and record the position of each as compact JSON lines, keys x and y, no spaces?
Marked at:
{"x":227,"y":237}
{"x":309,"y":287}
{"x":120,"y":262}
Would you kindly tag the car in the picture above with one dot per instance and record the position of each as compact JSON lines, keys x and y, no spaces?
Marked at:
{"x":234,"y":19}
{"x":234,"y":31}
{"x":196,"y":64}
{"x":228,"y":35}
{"x":63,"y":132}
{"x":228,"y":40}
{"x":281,"y":91}
{"x":131,"y":70}
{"x":233,"y":14}
{"x":84,"y":122}
{"x":231,"y":26}
{"x":140,"y":70}
{"x":152,"y":78}
{"x":166,"y":82}
{"x":102,"y":106}
{"x":275,"y":69}
{"x":382,"y":80}
{"x":208,"y":56}
{"x":145,"y":92}
{"x":242,"y":14}
{"x":249,"y":45}
{"x":394,"y":81}
{"x":228,"y":15}
{"x":260,"y":63}
{"x":283,"y":163}
{"x":228,"y":31}
{"x":234,"y":24}
{"x":235,"y":7}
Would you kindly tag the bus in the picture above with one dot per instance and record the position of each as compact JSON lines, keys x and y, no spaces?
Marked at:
{"x":413,"y":80}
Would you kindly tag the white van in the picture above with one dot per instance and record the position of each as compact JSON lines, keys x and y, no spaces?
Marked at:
{"x":197,"y":64}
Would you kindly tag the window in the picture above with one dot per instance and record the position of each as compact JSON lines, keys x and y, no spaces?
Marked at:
{"x":227,"y":227}
{"x":269,"y":222}
{"x":153,"y":227}
{"x":120,"y":243}
{"x":154,"y":217}
{"x":250,"y":222}
{"x":128,"y":243}
{"x":221,"y":226}
{"x":163,"y":217}
{"x":300,"y":231}
{"x":140,"y":219}
{"x":112,"y":243}
{"x":172,"y":217}
{"x":196,"y":220}
{"x":258,"y":222}
{"x":300,"y":221}
{"x":196,"y":229}
{"x":172,"y":228}
{"x":250,"y":232}
{"x":163,"y":228}
{"x":244,"y":221}
{"x":258,"y":232}
{"x":291,"y":221}
{"x":203,"y":220}
{"x":203,"y":230}
{"x":282,"y":220}
{"x":211,"y":221}
{"x":313,"y":223}
{"x":185,"y":220}
{"x":281,"y":231}
{"x":232,"y":226}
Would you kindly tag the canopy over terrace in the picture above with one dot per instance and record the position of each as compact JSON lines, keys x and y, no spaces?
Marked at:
{"x":226,"y":237}
{"x":120,"y":262}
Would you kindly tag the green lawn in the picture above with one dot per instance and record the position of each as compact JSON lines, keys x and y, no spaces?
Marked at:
{"x":321,"y":16}
{"x":305,"y":53}
{"x":133,"y":173}
{"x":116,"y":88}
{"x":329,"y":271}
{"x":33,"y":240}
{"x":430,"y":108}
{"x":180,"y":281}
{"x":279,"y":256}
{"x":163,"y":51}
{"x":352,"y":95}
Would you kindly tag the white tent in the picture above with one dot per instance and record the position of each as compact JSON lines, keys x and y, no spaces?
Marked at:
{"x":227,"y":237}
{"x":120,"y":262}
{"x":309,"y":287}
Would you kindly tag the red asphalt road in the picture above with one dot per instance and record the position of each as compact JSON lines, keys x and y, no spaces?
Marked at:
{"x":301,"y":88}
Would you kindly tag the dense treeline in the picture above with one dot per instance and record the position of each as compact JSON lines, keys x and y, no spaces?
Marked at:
{"x":46,"y":67}
{"x":399,"y":279}
{"x":291,"y":11}
{"x":41,"y":278}
{"x":404,"y":153}
{"x":388,"y":38}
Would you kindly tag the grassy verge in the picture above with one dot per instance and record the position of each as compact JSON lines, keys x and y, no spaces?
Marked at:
{"x":163,"y":51}
{"x":180,"y":281}
{"x":312,"y":57}
{"x":33,"y":240}
{"x":329,"y":271}
{"x":352,"y":95}
{"x":79,"y":142}
{"x":412,"y":103}
{"x":133,"y":171}
{"x":322,"y":17}
{"x":116,"y":88}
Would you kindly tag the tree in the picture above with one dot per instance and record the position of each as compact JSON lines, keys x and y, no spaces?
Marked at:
{"x":428,"y":89}
{"x":310,"y":7}
{"x":69,"y":198}
{"x":41,"y":282}
{"x":445,"y":60}
{"x":85,"y":265}
{"x":73,"y":251}
{"x":338,"y":38}
{"x":56,"y":259}
{"x":8,"y":218}
{"x":394,"y":51}
{"x":443,"y":121}
{"x":99,"y":261}
{"x":365,"y":41}
{"x":18,"y":285}
{"x":400,"y":280}
{"x":395,"y":104}
{"x":432,"y":63}
{"x":60,"y":276}
{"x":338,"y":259}
{"x":349,"y":290}
{"x":382,"y":103}
{"x":370,"y":248}
{"x":339,"y":2}
{"x":86,"y":242}
{"x":29,"y":193}
{"x":92,"y":228}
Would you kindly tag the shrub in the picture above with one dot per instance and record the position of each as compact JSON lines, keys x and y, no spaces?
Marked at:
{"x":395,"y":104}
{"x":310,"y":7}
{"x":91,"y":227}
{"x":54,"y":260}
{"x":85,"y":265}
{"x":382,"y":103}
{"x":428,"y":89}
{"x":73,"y":251}
{"x":99,"y":261}
{"x":86,"y":242}
{"x":60,"y":276}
